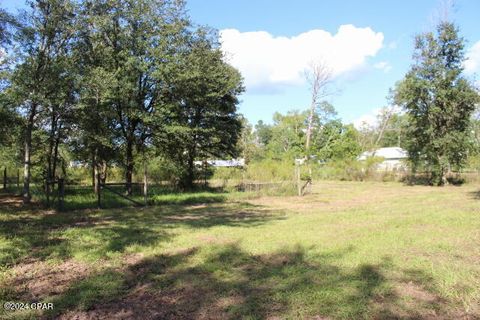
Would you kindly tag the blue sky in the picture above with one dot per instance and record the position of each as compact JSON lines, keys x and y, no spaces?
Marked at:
{"x":367,"y":43}
{"x":361,"y":90}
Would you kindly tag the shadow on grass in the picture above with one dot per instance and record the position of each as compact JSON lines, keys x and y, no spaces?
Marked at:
{"x":230,"y":283}
{"x":475,"y":195}
{"x":426,"y":180}
{"x":92,"y":235}
{"x":85,"y":199}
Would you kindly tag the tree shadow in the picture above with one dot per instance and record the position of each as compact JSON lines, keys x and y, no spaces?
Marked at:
{"x":41,"y":234}
{"x":230,"y":283}
{"x":475,"y":194}
{"x":238,"y":214}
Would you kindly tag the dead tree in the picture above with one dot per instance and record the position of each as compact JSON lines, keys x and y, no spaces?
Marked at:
{"x":319,"y":77}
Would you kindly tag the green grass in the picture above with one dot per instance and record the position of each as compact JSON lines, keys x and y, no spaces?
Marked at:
{"x":347,"y":251}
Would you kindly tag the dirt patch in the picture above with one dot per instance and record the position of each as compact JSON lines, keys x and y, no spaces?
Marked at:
{"x":36,"y":280}
{"x":144,"y":302}
{"x":10,"y":201}
{"x":416,"y":293}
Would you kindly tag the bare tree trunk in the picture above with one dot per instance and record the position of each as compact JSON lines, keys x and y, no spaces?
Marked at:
{"x":104,"y":172}
{"x":27,"y":155}
{"x":95,"y":174}
{"x":94,"y":177}
{"x":55,"y":153}
{"x":129,"y":167}
{"x":319,"y":77}
{"x":310,"y":122}
{"x":145,"y":181}
{"x":189,"y":183}
{"x":388,"y":115}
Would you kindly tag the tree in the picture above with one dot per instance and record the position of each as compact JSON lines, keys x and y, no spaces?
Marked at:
{"x":438,"y":101}
{"x":7,"y":24}
{"x":43,"y":38}
{"x":247,"y":144}
{"x":336,"y":141}
{"x":319,"y":77}
{"x":131,"y":43}
{"x":263,"y":133}
{"x":394,"y":132}
{"x":200,"y":118}
{"x":288,"y":135}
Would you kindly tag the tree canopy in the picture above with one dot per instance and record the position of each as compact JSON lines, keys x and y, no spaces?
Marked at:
{"x":439,"y":102}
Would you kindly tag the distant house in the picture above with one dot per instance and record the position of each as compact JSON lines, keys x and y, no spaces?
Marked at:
{"x":223,"y":163}
{"x":394,"y":158}
{"x":77,"y":164}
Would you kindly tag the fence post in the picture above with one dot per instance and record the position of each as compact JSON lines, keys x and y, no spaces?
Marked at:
{"x":99,"y":188}
{"x":61,"y":193}
{"x":298,"y":178}
{"x":5,"y":178}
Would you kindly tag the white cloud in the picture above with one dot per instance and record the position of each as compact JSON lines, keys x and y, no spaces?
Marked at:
{"x":268,"y":62}
{"x":383,"y":65}
{"x":371,"y":119}
{"x":367,"y":120}
{"x":472,"y":64}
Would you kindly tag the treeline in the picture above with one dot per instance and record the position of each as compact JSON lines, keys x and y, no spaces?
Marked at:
{"x":332,"y":140}
{"x":109,"y":82}
{"x":434,"y":115}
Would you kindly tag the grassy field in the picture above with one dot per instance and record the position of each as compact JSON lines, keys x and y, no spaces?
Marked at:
{"x":349,"y":250}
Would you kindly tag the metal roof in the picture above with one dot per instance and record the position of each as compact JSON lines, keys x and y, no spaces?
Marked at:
{"x":387,"y":153}
{"x":223,"y":163}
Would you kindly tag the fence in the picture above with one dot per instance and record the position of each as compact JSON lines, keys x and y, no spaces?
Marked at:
{"x":9,"y":183}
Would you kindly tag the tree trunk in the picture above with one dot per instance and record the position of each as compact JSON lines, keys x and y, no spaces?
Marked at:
{"x":27,"y":155}
{"x":190,"y":174}
{"x":310,"y":124}
{"x":95,"y":174}
{"x":55,"y":154}
{"x":94,"y":177}
{"x":145,"y":181}
{"x":129,"y":167}
{"x":104,"y":172}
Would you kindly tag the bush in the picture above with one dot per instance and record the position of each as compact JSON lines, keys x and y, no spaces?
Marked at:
{"x":271,"y":170}
{"x":354,"y":170}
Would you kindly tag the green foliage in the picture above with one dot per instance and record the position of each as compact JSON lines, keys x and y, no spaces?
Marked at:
{"x":270,"y":170}
{"x":200,"y":119}
{"x":439,"y":102}
{"x":395,"y":131}
{"x":189,"y":198}
{"x":108,"y":83}
{"x":263,"y":132}
{"x":288,"y":135}
{"x":336,"y":254}
{"x":352,"y":170}
{"x":336,"y":141}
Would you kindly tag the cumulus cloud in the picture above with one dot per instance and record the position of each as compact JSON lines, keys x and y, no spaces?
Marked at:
{"x":472,"y":64}
{"x":268,"y":62}
{"x":367,"y":120}
{"x":371,"y":119}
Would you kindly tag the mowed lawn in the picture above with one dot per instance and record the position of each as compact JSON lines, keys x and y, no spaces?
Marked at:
{"x":349,"y":250}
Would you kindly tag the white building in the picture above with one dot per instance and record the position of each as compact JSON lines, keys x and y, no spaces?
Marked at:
{"x":223,"y":163}
{"x":394,"y":158}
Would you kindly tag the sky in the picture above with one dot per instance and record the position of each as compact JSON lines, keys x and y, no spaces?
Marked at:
{"x":367,"y":45}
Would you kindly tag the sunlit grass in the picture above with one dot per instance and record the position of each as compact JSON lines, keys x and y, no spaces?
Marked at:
{"x":347,"y":251}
